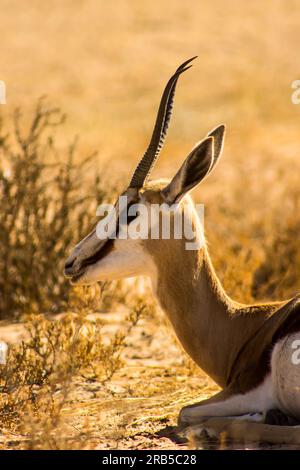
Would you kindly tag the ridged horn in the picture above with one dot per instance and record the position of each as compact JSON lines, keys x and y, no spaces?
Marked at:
{"x":164,"y":114}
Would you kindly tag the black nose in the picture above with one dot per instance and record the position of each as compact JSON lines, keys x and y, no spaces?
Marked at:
{"x":69,"y":264}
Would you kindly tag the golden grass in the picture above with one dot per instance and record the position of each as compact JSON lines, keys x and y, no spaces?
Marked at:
{"x":105,"y":64}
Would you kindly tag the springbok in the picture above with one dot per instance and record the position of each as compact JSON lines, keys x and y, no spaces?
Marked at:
{"x":246,"y":349}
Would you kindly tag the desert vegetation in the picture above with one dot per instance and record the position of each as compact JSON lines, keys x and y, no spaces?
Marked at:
{"x":99,"y":367}
{"x":66,"y":337}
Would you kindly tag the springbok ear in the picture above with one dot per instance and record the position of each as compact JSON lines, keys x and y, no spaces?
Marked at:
{"x":218,"y":134}
{"x":196,"y":166}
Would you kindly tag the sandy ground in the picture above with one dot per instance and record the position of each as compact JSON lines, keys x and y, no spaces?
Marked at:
{"x":139,"y":406}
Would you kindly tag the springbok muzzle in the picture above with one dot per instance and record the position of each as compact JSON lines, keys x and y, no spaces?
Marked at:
{"x":86,"y":253}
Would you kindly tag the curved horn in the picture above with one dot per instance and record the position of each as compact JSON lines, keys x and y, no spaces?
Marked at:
{"x":160,"y":129}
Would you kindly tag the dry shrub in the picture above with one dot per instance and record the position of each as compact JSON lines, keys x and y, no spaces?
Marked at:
{"x":254,"y":243}
{"x":45,"y":209}
{"x":279,"y":273}
{"x":36,"y":381}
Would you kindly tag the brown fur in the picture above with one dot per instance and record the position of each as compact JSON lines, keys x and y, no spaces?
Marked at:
{"x":212,"y":328}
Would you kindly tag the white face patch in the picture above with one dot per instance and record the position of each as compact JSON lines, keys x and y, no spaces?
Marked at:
{"x":127,"y":259}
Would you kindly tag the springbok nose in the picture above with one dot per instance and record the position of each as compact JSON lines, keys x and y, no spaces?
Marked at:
{"x":69,"y":265}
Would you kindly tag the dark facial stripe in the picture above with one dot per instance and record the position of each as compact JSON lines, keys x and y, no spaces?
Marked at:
{"x":106,"y":245}
{"x":100,"y":253}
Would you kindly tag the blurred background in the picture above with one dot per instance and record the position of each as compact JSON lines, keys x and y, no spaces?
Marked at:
{"x":104,"y":64}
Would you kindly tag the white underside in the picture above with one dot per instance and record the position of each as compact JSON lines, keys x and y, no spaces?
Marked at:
{"x":286,"y":375}
{"x":280,"y":389}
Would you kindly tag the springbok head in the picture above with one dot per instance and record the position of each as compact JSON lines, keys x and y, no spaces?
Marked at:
{"x":105,"y":258}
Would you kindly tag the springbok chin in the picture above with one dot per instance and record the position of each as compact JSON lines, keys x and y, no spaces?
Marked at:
{"x":249,"y":350}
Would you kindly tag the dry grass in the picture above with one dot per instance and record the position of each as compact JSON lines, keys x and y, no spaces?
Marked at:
{"x":105,"y":64}
{"x":37,"y":380}
{"x":44,"y":210}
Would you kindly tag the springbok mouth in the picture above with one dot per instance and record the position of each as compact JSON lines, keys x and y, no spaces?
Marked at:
{"x":75,"y":279}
